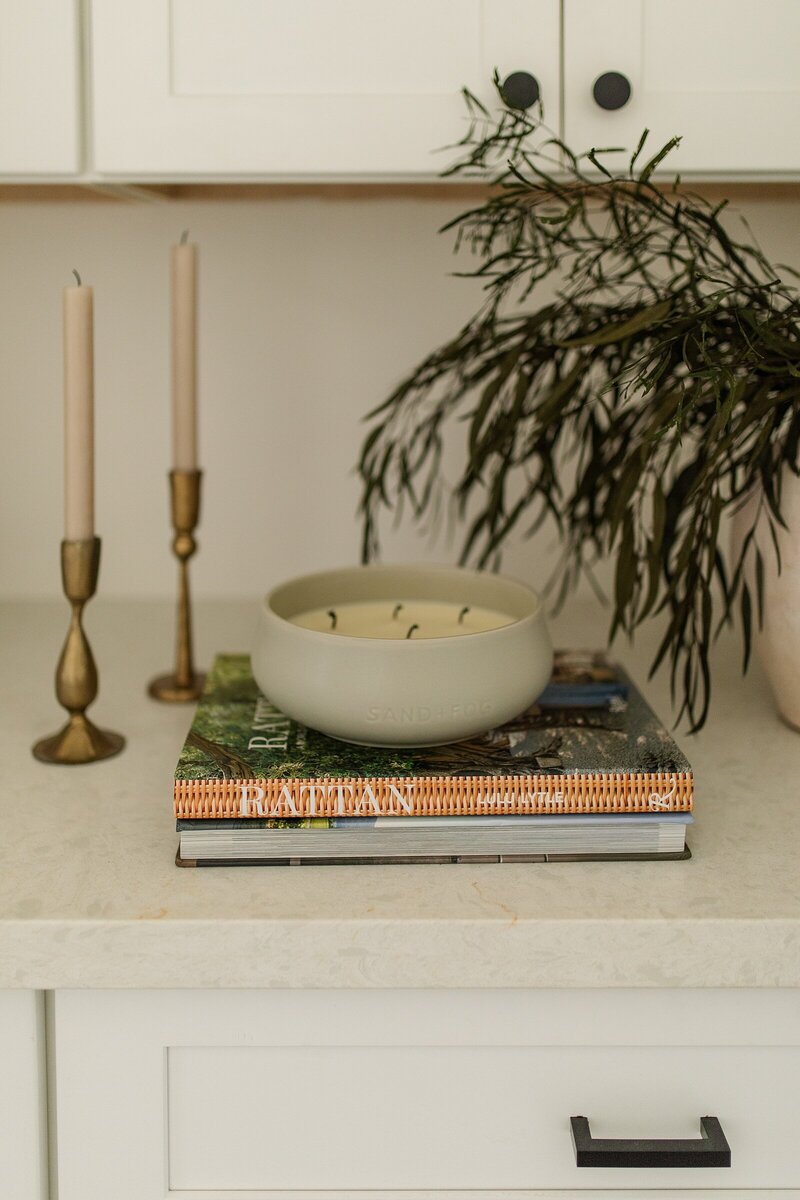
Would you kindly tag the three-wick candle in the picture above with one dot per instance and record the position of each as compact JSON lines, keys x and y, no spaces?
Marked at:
{"x":407,"y":655}
{"x":78,"y":412}
{"x":184,"y":355}
{"x":418,"y":619}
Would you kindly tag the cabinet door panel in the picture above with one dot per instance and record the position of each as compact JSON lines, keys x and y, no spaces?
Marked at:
{"x":721,"y":74}
{"x":39,"y":92}
{"x":262,"y":1094}
{"x":366,"y":88}
{"x":23,"y":1167}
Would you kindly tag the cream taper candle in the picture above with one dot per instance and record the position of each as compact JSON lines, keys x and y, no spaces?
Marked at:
{"x":184,"y":356}
{"x":78,"y":412}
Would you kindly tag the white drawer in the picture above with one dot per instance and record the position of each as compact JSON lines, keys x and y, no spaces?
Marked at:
{"x":263,"y":1093}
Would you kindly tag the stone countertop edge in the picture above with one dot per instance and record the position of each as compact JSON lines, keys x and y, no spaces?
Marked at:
{"x":400,"y":954}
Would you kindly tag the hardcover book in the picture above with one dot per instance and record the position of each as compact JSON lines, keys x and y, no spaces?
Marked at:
{"x":590,"y":745}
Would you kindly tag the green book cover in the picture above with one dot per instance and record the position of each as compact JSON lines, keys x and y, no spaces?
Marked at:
{"x":590,"y":744}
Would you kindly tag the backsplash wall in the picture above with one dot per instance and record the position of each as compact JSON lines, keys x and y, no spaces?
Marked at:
{"x":311,"y":310}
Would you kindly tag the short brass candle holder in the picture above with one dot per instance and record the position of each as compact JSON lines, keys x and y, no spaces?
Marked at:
{"x":79,"y":741}
{"x":184,"y":684}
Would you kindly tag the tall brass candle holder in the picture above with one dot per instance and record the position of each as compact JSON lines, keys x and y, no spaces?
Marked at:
{"x":184,"y":684}
{"x":80,"y":741}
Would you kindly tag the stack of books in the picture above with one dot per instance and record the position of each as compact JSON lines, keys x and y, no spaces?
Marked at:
{"x":588,"y":772}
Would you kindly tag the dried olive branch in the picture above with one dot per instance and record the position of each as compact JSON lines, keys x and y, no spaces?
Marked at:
{"x":667,"y":369}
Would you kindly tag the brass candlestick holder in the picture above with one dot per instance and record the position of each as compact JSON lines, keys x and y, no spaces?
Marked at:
{"x":76,"y":674}
{"x":184,"y":684}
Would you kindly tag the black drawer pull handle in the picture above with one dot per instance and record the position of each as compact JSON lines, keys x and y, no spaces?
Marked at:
{"x":520,"y":90}
{"x":612,"y":90}
{"x":710,"y":1150}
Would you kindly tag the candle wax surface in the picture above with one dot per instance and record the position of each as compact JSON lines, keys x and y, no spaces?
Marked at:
{"x":377,"y":619}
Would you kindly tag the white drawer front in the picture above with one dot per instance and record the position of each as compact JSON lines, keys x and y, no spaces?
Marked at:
{"x":265,"y":1093}
{"x":421,"y":1118}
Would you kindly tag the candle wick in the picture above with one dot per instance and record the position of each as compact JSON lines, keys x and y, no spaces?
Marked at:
{"x":411,"y":630}
{"x":397,"y":608}
{"x":77,"y":276}
{"x":184,"y":237}
{"x":463,"y":613}
{"x":332,"y":616}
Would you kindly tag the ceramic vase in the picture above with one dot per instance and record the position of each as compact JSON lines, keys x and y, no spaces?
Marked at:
{"x":777,"y":644}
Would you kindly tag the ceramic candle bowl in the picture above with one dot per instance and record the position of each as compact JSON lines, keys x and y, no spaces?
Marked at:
{"x":414,"y":690}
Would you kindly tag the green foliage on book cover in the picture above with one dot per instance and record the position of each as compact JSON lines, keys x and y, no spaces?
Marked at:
{"x":236,"y":734}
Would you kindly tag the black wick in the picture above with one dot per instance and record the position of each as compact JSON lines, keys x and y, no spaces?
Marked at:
{"x":332,"y":616}
{"x":397,"y":608}
{"x":77,"y":277}
{"x":411,"y":629}
{"x":463,"y":613}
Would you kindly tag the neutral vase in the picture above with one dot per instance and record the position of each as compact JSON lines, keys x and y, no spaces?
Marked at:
{"x":778,"y":642}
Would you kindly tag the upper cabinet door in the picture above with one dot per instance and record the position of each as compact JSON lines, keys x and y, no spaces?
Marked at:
{"x":723,"y":74}
{"x":304,"y":88}
{"x":39,"y":88}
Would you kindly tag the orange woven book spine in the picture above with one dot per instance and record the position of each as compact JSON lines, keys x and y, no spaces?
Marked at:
{"x":450,"y":796}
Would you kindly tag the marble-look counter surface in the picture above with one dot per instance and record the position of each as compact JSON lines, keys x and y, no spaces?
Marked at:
{"x":90,"y":895}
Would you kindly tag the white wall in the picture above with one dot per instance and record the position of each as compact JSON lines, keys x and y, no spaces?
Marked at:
{"x":311,"y":310}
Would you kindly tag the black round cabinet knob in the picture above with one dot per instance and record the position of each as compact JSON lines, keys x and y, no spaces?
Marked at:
{"x":520,"y":90}
{"x":612,"y":90}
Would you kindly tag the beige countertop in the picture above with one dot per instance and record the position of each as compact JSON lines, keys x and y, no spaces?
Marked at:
{"x":90,"y":895}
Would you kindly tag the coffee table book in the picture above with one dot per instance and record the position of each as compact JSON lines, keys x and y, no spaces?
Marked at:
{"x":588,"y":770}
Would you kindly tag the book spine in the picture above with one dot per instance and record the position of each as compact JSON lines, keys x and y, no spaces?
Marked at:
{"x":485,"y":796}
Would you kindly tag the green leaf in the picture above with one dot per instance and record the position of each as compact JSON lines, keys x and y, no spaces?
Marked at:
{"x":638,"y":150}
{"x":747,"y":625}
{"x":657,"y":159}
{"x":643,"y":320}
{"x":760,"y":587}
{"x":625,"y":577}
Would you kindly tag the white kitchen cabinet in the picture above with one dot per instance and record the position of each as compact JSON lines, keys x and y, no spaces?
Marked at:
{"x":23,"y":1150}
{"x":311,"y":88}
{"x":344,"y":1093}
{"x":722,"y":74}
{"x":39,"y":87}
{"x":232,"y":90}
